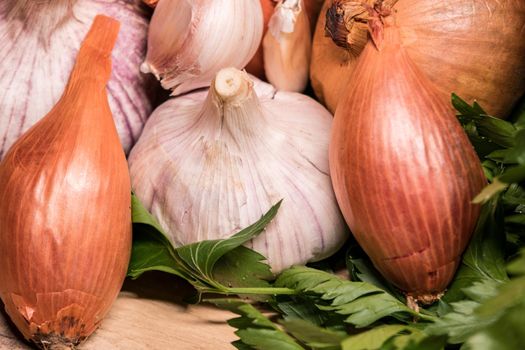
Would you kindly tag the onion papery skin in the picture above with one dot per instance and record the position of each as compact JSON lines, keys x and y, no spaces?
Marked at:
{"x":37,"y":60}
{"x":474,"y":48}
{"x":404,"y":171}
{"x":65,"y":218}
{"x":206,"y":175}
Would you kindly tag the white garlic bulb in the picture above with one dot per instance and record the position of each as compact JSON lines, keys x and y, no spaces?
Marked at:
{"x":210,"y":163}
{"x":190,"y":41}
{"x":40,"y":41}
{"x":287,"y":46}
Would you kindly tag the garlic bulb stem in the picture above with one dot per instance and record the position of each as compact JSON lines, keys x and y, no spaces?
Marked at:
{"x":232,"y":85}
{"x":235,"y":107}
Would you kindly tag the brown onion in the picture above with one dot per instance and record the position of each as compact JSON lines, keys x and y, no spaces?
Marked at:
{"x":403,"y":170}
{"x":65,"y":220}
{"x":472,"y":47}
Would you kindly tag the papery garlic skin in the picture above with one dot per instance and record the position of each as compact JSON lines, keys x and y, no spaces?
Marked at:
{"x":210,"y":163}
{"x":40,"y":41}
{"x":190,"y":41}
{"x":287,"y":46}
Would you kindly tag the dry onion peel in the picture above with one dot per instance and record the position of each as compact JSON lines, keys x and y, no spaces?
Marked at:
{"x":403,"y":170}
{"x":65,"y":220}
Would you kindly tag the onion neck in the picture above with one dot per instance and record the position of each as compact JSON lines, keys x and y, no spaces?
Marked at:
{"x":236,"y":105}
{"x":92,"y":69}
{"x":43,"y":16}
{"x":348,"y":22}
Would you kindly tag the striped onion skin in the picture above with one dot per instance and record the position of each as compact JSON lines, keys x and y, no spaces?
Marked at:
{"x":206,"y":169}
{"x":40,"y":41}
{"x":65,"y":219}
{"x":472,"y":47}
{"x":404,"y":171}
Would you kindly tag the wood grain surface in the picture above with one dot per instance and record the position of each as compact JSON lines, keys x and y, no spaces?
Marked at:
{"x":149,"y":314}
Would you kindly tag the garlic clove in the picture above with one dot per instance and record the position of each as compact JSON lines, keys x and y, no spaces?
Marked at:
{"x":287,"y":46}
{"x":209,"y":163}
{"x":190,"y":41}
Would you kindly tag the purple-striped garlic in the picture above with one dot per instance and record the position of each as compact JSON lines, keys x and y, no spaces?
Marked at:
{"x":40,"y":40}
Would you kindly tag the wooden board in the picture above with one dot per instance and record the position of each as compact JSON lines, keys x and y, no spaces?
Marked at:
{"x":150,"y":314}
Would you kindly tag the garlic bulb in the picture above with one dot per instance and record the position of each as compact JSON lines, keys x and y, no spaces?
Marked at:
{"x":287,"y":46}
{"x":65,"y":220}
{"x":190,"y":41}
{"x":210,"y":163}
{"x":40,"y":40}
